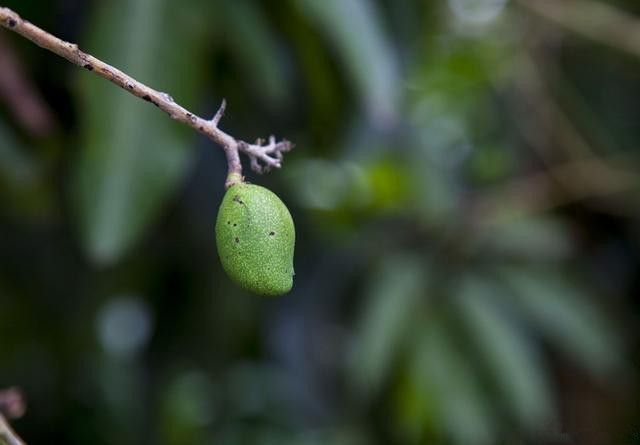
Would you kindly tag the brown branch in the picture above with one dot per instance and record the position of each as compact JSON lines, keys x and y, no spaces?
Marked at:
{"x":263,"y":157}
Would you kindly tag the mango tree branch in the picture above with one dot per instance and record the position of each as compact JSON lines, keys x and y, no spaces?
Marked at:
{"x":263,"y":157}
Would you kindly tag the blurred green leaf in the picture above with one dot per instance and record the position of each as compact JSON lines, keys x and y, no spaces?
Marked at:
{"x":17,"y":168}
{"x":517,"y":367}
{"x":23,"y":186}
{"x":566,"y":315}
{"x":189,"y":407}
{"x":530,"y":238}
{"x":440,"y":371}
{"x":392,"y":298}
{"x":259,"y":389}
{"x":356,"y":30}
{"x":324,"y":185}
{"x":133,"y":156}
{"x":254,"y":46}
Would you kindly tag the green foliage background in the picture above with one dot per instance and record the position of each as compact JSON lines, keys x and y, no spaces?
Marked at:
{"x":465,"y":192}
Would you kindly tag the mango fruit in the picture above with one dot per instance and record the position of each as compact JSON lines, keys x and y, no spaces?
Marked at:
{"x":255,"y":237}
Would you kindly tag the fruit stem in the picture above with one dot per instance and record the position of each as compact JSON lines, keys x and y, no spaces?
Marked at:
{"x":233,"y":178}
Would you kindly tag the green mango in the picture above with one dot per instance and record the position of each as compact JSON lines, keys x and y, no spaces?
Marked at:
{"x":256,"y":238}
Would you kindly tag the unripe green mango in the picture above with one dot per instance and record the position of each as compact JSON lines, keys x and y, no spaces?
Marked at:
{"x":256,"y":237}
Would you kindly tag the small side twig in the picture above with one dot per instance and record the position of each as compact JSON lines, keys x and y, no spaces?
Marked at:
{"x":12,"y":406}
{"x":263,"y":157}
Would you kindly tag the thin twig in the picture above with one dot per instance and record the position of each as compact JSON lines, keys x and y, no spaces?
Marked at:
{"x":263,"y":157}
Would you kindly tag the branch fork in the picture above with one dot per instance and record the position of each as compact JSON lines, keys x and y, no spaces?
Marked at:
{"x":263,"y":157}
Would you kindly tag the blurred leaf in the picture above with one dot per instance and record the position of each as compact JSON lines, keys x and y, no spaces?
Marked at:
{"x":356,"y":30}
{"x":491,"y":164}
{"x":392,"y":297}
{"x":390,"y":184}
{"x":133,"y":156}
{"x":438,"y":370}
{"x":415,"y":413}
{"x":379,"y":185}
{"x":241,"y":433}
{"x":516,"y":365}
{"x":332,"y":436}
{"x":322,"y":87}
{"x":324,"y":185}
{"x":259,"y":389}
{"x":528,"y":238}
{"x":16,"y":166}
{"x":23,"y":185}
{"x":440,"y":144}
{"x":189,"y":407}
{"x":254,"y":46}
{"x":566,"y":316}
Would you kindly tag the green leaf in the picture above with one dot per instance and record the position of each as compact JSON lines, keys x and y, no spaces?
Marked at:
{"x":132,"y":156}
{"x":393,"y":296}
{"x":566,"y":316}
{"x":439,"y":371}
{"x":356,"y":30}
{"x":532,"y":238}
{"x":17,"y":169}
{"x":24,"y":190}
{"x":517,"y":367}
{"x":254,"y":46}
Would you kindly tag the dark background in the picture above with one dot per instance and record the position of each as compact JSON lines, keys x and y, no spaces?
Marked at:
{"x":465,"y":189}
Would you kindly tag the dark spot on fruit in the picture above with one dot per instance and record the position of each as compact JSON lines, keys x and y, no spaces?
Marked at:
{"x":272,"y":233}
{"x":238,"y":200}
{"x":237,"y":240}
{"x":228,"y":222}
{"x":12,"y":23}
{"x":234,"y":225}
{"x":89,"y":67}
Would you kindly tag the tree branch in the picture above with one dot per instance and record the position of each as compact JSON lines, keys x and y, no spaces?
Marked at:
{"x":263,"y":157}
